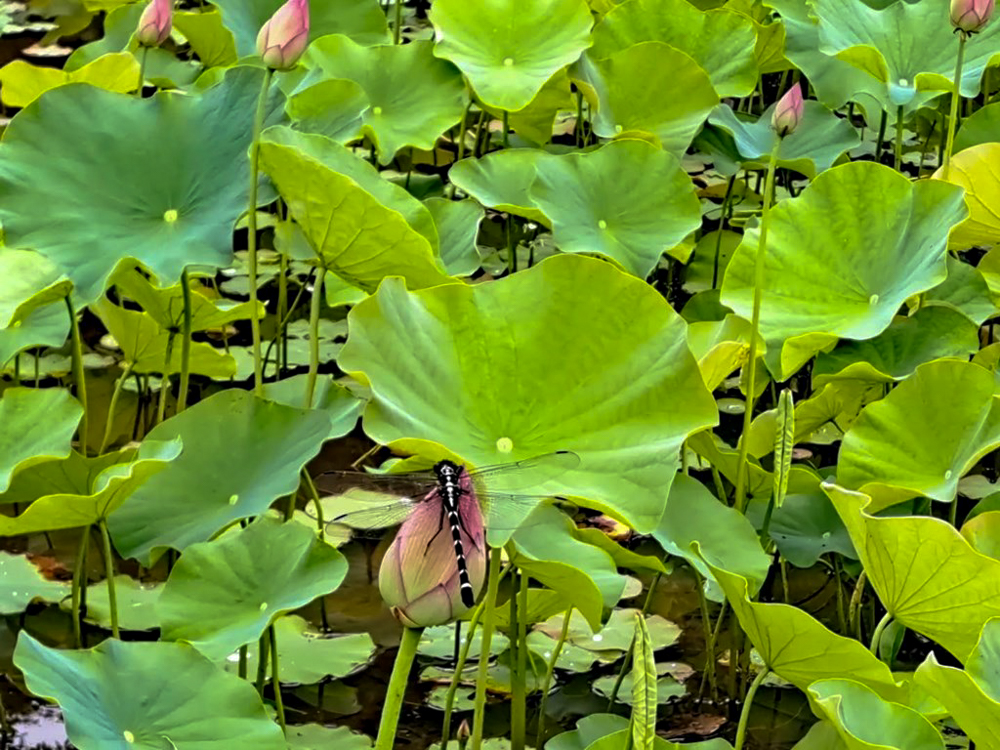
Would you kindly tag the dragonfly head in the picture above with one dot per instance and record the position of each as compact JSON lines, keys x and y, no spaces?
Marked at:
{"x":447,"y":470}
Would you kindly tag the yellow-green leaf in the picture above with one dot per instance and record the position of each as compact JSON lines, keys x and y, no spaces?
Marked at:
{"x":23,"y":82}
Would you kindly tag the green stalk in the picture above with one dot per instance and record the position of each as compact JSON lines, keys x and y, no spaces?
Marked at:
{"x":78,"y":376}
{"x":79,"y":582}
{"x":628,"y":656}
{"x":397,"y":28}
{"x":109,"y":425}
{"x":758,"y":292}
{"x":243,"y":661}
{"x":279,"y":705}
{"x":314,"y":496}
{"x":282,"y":339}
{"x":109,"y":572}
{"x":185,"y":343}
{"x":489,"y":623}
{"x":899,"y":138}
{"x":263,"y":656}
{"x":397,"y":687}
{"x":709,"y":640}
{"x":314,"y":308}
{"x":877,"y":635}
{"x":506,"y":129}
{"x":258,"y":124}
{"x":449,"y":699}
{"x":550,"y":668}
{"x":722,"y":226}
{"x":955,"y":97}
{"x":161,"y":411}
{"x":518,"y":709}
{"x":854,"y":608}
{"x":463,"y":129}
{"x":142,"y":71}
{"x":881,"y":136}
{"x":741,"y":729}
{"x":841,"y":611}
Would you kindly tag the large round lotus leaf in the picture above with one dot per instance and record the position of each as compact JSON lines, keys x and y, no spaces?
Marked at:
{"x":806,"y":527}
{"x":501,"y":180}
{"x":21,"y":583}
{"x":769,"y":49}
{"x":965,"y":290}
{"x":240,"y":454}
{"x":971,"y":695}
{"x":725,"y":535}
{"x":634,"y":221}
{"x":223,"y":594}
{"x":23,"y":82}
{"x":623,"y":82}
{"x":720,"y":41}
{"x":306,"y":656}
{"x":975,"y":169}
{"x":458,"y":227}
{"x":466,"y":382}
{"x":341,"y":405}
{"x":28,"y":280}
{"x":43,"y":326}
{"x":136,"y":604}
{"x":508,"y":49}
{"x":840,"y":264}
{"x":931,"y":333}
{"x":983,"y":533}
{"x":37,"y":425}
{"x":147,"y":696}
{"x":362,"y":20}
{"x":982,"y":127}
{"x":414,"y":97}
{"x":535,"y":122}
{"x":924,"y":436}
{"x":333,"y":108}
{"x":797,"y":647}
{"x":927,"y":576}
{"x":908,"y":47}
{"x":109,"y":490}
{"x":210,"y":40}
{"x":73,"y":475}
{"x":362,"y":227}
{"x":816,"y":144}
{"x":865,"y":721}
{"x":88,"y":197}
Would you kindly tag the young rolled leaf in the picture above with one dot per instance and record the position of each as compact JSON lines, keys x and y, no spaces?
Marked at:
{"x":784,"y":442}
{"x":644,"y":677}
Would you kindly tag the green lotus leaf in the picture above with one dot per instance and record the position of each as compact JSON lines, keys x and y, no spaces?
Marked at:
{"x":38,"y":425}
{"x":725,"y":536}
{"x":333,"y":108}
{"x":224,"y":593}
{"x":865,"y":721}
{"x":797,"y":647}
{"x":145,"y":343}
{"x":43,"y":326}
{"x":839,"y":264}
{"x":982,"y":127}
{"x":104,"y":694}
{"x":509,"y":49}
{"x":721,"y":346}
{"x":615,"y":637}
{"x":202,"y":492}
{"x":931,"y":333}
{"x":72,"y":475}
{"x":502,"y":383}
{"x":414,"y":97}
{"x":769,"y":49}
{"x":361,"y":20}
{"x":870,"y":39}
{"x":535,"y":122}
{"x":806,"y":527}
{"x":76,"y":191}
{"x":342,"y":406}
{"x":975,"y":170}
{"x":109,"y":490}
{"x":717,"y":453}
{"x":632,"y":222}
{"x":501,"y":180}
{"x":458,"y":227}
{"x":610,"y":731}
{"x":21,"y":583}
{"x":821,"y":736}
{"x":622,"y":83}
{"x":971,"y":695}
{"x":28,"y":281}
{"x":720,"y":41}
{"x":136,"y":604}
{"x":925,"y":574}
{"x":983,"y":533}
{"x":924,"y":436}
{"x":210,"y":40}
{"x":23,"y":82}
{"x":965,"y":290}
{"x":668,"y":689}
{"x":319,"y":737}
{"x":813,"y":147}
{"x":570,"y":582}
{"x":362,"y":227}
{"x":438,"y":642}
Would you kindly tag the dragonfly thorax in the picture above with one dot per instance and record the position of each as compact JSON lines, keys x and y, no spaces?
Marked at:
{"x":449,"y":477}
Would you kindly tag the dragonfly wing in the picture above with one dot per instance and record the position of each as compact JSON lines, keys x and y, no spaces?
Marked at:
{"x":508,"y":512}
{"x":529,"y":472}
{"x":362,"y":516}
{"x":414,"y":485}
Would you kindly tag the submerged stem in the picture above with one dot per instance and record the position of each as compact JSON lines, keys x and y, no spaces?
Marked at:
{"x":397,"y":687}
{"x":741,"y":729}
{"x":258,"y":124}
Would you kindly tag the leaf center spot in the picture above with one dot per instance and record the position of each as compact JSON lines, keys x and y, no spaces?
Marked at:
{"x":129,"y":737}
{"x":597,"y":638}
{"x":619,"y":128}
{"x":947,"y":474}
{"x":873,"y":300}
{"x":170,"y":215}
{"x":263,"y":606}
{"x":376,"y":110}
{"x":233,"y":499}
{"x":508,"y":62}
{"x":505,"y":445}
{"x":602,"y":224}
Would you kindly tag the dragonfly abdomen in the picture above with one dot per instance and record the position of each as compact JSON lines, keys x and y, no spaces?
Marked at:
{"x":452,"y":488}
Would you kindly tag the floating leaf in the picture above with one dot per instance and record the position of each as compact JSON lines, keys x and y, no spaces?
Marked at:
{"x":21,"y":583}
{"x":23,"y":82}
{"x":136,"y":604}
{"x":318,"y":737}
{"x":38,"y":425}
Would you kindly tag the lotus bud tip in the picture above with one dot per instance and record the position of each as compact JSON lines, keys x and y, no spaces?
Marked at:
{"x":155,"y":23}
{"x":788,"y":111}
{"x":970,"y":16}
{"x":284,"y":37}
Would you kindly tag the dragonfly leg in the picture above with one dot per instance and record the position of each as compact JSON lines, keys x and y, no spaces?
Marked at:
{"x":440,"y":527}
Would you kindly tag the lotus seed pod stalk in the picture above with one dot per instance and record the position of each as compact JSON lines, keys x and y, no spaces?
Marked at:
{"x":284,"y":37}
{"x":971,"y":16}
{"x":155,"y":23}
{"x":788,"y":112}
{"x":419,"y":578}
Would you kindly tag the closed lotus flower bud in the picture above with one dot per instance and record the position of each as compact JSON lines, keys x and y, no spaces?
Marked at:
{"x":419,"y":577}
{"x":284,"y":37}
{"x":971,"y":15}
{"x":155,"y":23}
{"x":788,"y":112}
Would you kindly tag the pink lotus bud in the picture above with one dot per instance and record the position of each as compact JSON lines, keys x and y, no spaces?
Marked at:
{"x":788,"y":111}
{"x":155,"y":23}
{"x":419,"y":577}
{"x":971,"y":15}
{"x":284,"y":37}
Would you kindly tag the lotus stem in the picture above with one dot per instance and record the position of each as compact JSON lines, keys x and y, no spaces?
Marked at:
{"x":397,"y":27}
{"x":709,"y":642}
{"x":956,"y":95}
{"x":628,"y":656}
{"x":109,"y":572}
{"x":751,"y":365}
{"x":841,"y":612}
{"x":314,"y":308}
{"x":489,"y":623}
{"x":161,"y":410}
{"x":899,"y":138}
{"x":78,"y":376}
{"x":243,"y":662}
{"x":314,"y":496}
{"x":258,"y":124}
{"x":883,"y":121}
{"x":113,"y":407}
{"x":854,"y":608}
{"x":877,"y":635}
{"x":549,"y":670}
{"x":518,"y":709}
{"x":462,"y":130}
{"x":79,"y":583}
{"x":142,"y":71}
{"x":279,"y":705}
{"x":185,"y":343}
{"x":283,"y":324}
{"x":397,"y":687}
{"x":741,"y":729}
{"x":722,"y":226}
{"x":263,"y":651}
{"x":282,"y":339}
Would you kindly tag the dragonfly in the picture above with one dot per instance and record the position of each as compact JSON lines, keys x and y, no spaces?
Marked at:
{"x":457,"y":493}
